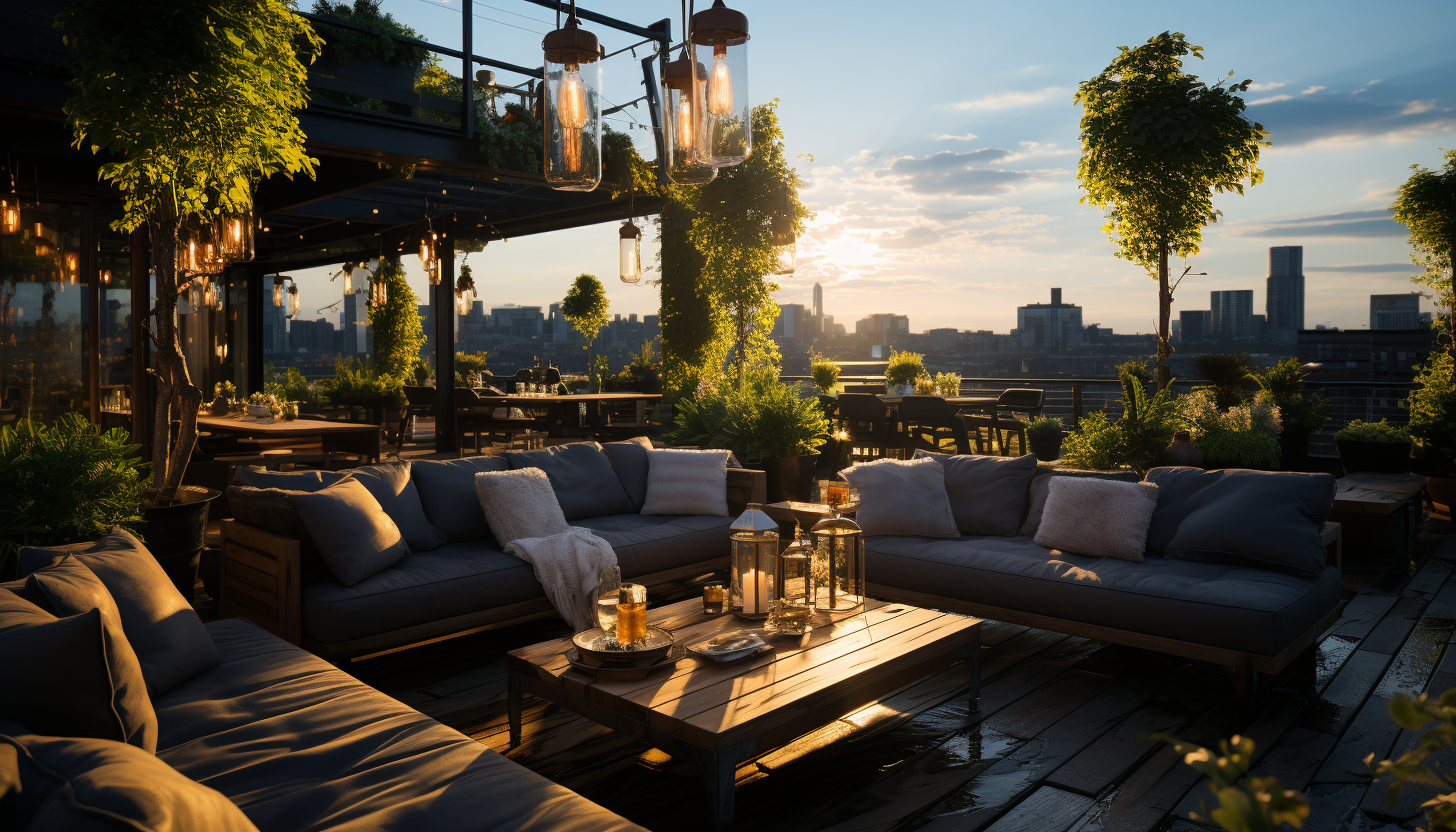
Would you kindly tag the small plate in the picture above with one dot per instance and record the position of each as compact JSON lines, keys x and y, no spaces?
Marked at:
{"x":627,"y":673}
{"x":597,"y":650}
{"x":729,"y":646}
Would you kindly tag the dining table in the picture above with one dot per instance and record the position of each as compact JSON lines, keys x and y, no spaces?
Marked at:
{"x":966,"y":404}
{"x":348,"y":437}
{"x":573,"y":414}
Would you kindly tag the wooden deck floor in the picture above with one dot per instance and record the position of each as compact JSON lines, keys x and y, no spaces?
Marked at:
{"x":1060,"y":741}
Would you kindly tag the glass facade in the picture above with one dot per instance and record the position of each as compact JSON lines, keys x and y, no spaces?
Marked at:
{"x":115,"y":321}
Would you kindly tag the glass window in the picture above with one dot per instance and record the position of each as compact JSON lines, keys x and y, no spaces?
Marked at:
{"x":116,"y":319}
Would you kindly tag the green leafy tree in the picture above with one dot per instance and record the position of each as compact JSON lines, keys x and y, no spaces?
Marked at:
{"x":693,"y":327}
{"x":1426,"y":766}
{"x":187,"y":130}
{"x":1432,"y":407}
{"x":1426,"y":204}
{"x":395,"y":324}
{"x":585,"y":307}
{"x":1157,"y":144}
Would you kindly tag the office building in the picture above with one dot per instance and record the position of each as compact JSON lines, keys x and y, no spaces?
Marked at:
{"x":1052,"y":327}
{"x":1284,"y":294}
{"x":793,"y":327}
{"x":275,"y":318}
{"x":1401,"y":311}
{"x":882,"y":328}
{"x":1194,"y":325}
{"x":1231,"y":313}
{"x":354,"y":335}
{"x":313,"y":337}
{"x":512,"y":321}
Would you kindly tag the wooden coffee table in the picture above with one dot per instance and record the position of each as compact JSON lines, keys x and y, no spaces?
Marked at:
{"x":723,"y":714}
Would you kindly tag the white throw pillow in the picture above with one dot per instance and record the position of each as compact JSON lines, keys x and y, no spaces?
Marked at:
{"x":1103,"y":518}
{"x":902,"y":497}
{"x":519,"y":504}
{"x":686,"y":482}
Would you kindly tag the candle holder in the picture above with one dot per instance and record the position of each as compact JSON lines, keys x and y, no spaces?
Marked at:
{"x":715,"y":599}
{"x":793,"y":612}
{"x":839,"y":565}
{"x":754,"y":546}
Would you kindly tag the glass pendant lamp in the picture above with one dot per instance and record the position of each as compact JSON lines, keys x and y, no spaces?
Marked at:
{"x":235,"y":232}
{"x":571,"y":119}
{"x":720,"y":43}
{"x":9,"y":216}
{"x":629,"y":258}
{"x":685,"y":121}
{"x":277,"y":291}
{"x":294,"y":302}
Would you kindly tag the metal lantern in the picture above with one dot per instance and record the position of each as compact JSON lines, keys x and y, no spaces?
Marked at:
{"x":754,"y":547}
{"x":9,"y":216}
{"x":794,"y":577}
{"x":235,"y":233}
{"x":629,"y":258}
{"x":570,"y":116}
{"x":685,"y":121}
{"x":839,"y":565}
{"x":427,"y":257}
{"x":720,"y":42}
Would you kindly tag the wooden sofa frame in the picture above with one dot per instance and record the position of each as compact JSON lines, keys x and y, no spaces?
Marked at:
{"x":262,"y":582}
{"x":1245,"y":665}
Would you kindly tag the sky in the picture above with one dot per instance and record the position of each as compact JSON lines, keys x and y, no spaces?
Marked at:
{"x":938,"y":146}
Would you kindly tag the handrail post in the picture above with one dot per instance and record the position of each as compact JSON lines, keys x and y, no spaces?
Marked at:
{"x":1076,"y":404}
{"x":467,"y":73}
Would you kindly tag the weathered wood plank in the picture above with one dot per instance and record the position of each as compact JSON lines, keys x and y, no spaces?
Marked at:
{"x":1112,"y":755}
{"x":1390,"y":634}
{"x":1046,"y":810}
{"x":1361,"y":614}
{"x":1043,"y":707}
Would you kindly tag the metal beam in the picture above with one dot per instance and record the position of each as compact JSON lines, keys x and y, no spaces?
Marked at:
{"x":596,"y":17}
{"x":467,"y":71}
{"x":442,"y":301}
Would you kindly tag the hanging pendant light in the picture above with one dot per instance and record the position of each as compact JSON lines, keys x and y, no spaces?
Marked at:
{"x":9,"y":216}
{"x":464,"y":290}
{"x":235,"y":232}
{"x":571,"y":120}
{"x":685,"y":121}
{"x":629,"y":257}
{"x":106,"y":276}
{"x":294,"y":302}
{"x":720,"y":42}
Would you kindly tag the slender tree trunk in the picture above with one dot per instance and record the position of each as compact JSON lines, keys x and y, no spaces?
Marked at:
{"x":1165,"y":307}
{"x":175,"y":389}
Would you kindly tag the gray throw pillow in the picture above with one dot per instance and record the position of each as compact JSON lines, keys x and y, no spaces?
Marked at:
{"x":987,"y":493}
{"x":260,"y":477}
{"x":519,"y":504}
{"x":72,"y":783}
{"x":629,"y":461}
{"x":902,"y":497}
{"x":59,"y":677}
{"x":354,"y":537}
{"x":1037,"y":493}
{"x":390,"y":484}
{"x":69,"y":588}
{"x":165,"y":633}
{"x":689,"y":482}
{"x":1102,"y":518}
{"x":1267,"y":519}
{"x":582,"y":476}
{"x":447,"y":494}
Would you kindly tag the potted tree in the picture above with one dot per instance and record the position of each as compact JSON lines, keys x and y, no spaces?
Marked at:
{"x":769,"y":421}
{"x":186,"y":157}
{"x":585,"y":307}
{"x":825,"y":374}
{"x":901,"y":371}
{"x":1374,"y":446}
{"x":1045,"y":438}
{"x":1433,"y":427}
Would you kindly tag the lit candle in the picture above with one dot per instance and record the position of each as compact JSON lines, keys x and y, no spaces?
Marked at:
{"x":755,"y":594}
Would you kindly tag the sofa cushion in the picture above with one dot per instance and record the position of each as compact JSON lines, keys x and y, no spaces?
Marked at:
{"x":902,"y":497}
{"x":447,"y":494}
{"x":683,"y":481}
{"x":256,"y":476}
{"x":75,"y":783}
{"x":1041,"y":479}
{"x":391,"y":485}
{"x":1257,"y":518}
{"x":272,"y":510}
{"x":164,"y":631}
{"x":987,"y":493}
{"x":582,"y":477}
{"x":69,"y":588}
{"x":648,"y":543}
{"x":519,"y":504}
{"x":629,"y":462}
{"x":354,"y":536}
{"x":1098,"y":517}
{"x":69,"y":696}
{"x":1221,"y":605}
{"x":299,"y":745}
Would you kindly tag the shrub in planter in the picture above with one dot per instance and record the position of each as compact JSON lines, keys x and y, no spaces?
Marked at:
{"x":902,"y":370}
{"x":1045,"y":438}
{"x":1137,"y":440}
{"x":825,"y":374}
{"x":1226,"y":372}
{"x":948,"y":385}
{"x":1302,"y":412}
{"x":1374,"y":446}
{"x":1243,"y":436}
{"x":770,"y":421}
{"x":924,"y":385}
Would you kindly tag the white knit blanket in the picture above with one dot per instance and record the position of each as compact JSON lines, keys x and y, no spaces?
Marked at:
{"x":567,"y":565}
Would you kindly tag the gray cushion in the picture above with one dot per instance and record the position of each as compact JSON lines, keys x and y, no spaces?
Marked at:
{"x":683,"y":481}
{"x":164,"y":631}
{"x":447,"y":494}
{"x":355,"y":538}
{"x":299,"y":745}
{"x":629,"y":461}
{"x":73,"y":783}
{"x":272,"y":510}
{"x":1098,"y":517}
{"x":1221,"y":605}
{"x":902,"y":497}
{"x":1257,"y":518}
{"x":658,"y":542}
{"x":582,"y":477}
{"x":987,"y":494}
{"x":1041,"y":479}
{"x":260,"y":477}
{"x":391,"y":485}
{"x":69,"y":588}
{"x":519,"y":504}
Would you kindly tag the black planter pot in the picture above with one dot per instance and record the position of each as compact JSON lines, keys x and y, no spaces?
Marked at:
{"x":1376,"y":457}
{"x":175,"y":534}
{"x":790,"y":477}
{"x":1046,"y":447}
{"x":1294,"y":450}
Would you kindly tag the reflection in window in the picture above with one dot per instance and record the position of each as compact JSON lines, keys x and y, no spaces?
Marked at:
{"x":113,"y":268}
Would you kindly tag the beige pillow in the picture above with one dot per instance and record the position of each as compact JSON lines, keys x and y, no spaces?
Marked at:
{"x":902,"y":497}
{"x":686,"y":482}
{"x":1097,"y":517}
{"x":519,"y":504}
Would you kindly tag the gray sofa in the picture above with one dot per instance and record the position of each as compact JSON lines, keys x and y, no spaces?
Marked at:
{"x":1253,"y":619}
{"x":467,"y":584}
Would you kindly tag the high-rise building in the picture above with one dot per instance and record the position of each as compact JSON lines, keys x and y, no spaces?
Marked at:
{"x":312,"y":336}
{"x":354,"y":335}
{"x":1231,"y":313}
{"x":275,"y":318}
{"x":512,"y":321}
{"x":1401,"y":311}
{"x":793,"y":327}
{"x":818,"y":301}
{"x":882,"y":328}
{"x":1194,"y":325}
{"x":1053,"y":327}
{"x":1284,"y":294}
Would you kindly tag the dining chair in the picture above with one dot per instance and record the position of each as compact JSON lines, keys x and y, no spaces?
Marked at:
{"x":418,"y":401}
{"x":870,"y":427}
{"x":1004,"y":423}
{"x":929,"y":420}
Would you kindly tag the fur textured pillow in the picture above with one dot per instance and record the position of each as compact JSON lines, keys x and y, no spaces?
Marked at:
{"x":1097,"y":517}
{"x":687,"y":482}
{"x":519,"y":504}
{"x":902,"y":497}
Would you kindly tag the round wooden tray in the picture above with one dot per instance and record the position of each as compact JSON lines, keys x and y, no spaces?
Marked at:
{"x":627,"y":674}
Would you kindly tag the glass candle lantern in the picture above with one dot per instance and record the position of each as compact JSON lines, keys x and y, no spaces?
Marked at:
{"x":839,"y":565}
{"x":715,"y":599}
{"x":685,"y":121}
{"x":235,"y":233}
{"x":10,"y":216}
{"x":794,"y":576}
{"x":720,"y":43}
{"x":629,"y":266}
{"x":570,"y":117}
{"x":753,"y":549}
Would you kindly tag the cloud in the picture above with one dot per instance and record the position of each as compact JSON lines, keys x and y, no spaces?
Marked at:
{"x":915,"y":237}
{"x":1270,"y":85}
{"x":947,"y":137}
{"x":1010,"y":99}
{"x":948,"y":173}
{"x":1414,"y":108}
{"x":1270,"y":100}
{"x":1375,"y":222}
{"x":1311,"y":90}
{"x":1366,"y":268}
